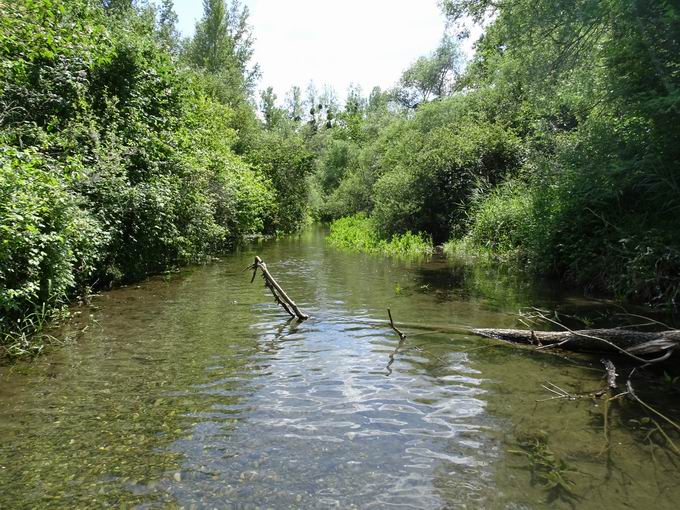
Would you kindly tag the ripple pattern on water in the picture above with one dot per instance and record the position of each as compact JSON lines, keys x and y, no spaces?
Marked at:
{"x":324,"y":422}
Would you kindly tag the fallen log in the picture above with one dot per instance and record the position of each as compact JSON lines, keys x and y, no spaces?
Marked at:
{"x":279,"y":294}
{"x":624,"y":341}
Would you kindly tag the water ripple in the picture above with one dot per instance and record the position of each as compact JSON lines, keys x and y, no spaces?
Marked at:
{"x":320,"y":408}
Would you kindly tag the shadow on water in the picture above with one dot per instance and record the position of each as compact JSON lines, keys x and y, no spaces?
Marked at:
{"x":197,"y":391}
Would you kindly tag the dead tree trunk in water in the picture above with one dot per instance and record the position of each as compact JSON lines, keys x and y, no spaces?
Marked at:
{"x":628,"y":342}
{"x":279,"y":294}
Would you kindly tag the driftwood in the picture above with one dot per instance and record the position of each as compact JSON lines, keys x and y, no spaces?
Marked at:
{"x":279,"y":294}
{"x":634,"y":344}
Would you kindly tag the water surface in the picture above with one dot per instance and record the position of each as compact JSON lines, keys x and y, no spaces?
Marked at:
{"x":196,"y":391}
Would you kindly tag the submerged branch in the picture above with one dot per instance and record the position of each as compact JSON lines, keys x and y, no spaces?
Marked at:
{"x":279,"y":294}
{"x":635,"y":397}
{"x":401,"y":335}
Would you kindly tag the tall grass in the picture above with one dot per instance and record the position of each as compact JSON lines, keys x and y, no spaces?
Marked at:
{"x":28,"y":337}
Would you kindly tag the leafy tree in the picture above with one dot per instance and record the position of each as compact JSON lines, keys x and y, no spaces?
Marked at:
{"x":168,"y":35}
{"x":285,"y":160}
{"x":430,"y":77}
{"x":352,"y":117}
{"x":478,"y":10}
{"x":377,"y":100}
{"x":595,"y":97}
{"x":355,"y":103}
{"x":223,"y":46}
{"x":117,"y":5}
{"x":294,"y":104}
{"x":273,"y":115}
{"x":116,"y":162}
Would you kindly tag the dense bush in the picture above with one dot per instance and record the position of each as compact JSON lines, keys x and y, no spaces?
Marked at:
{"x":124,"y":153}
{"x":116,"y":161}
{"x":594,"y":100}
{"x":49,"y":245}
{"x":558,"y":146}
{"x":354,"y":194}
{"x":605,"y":221}
{"x":285,"y":160}
{"x":430,"y":188}
{"x":502,"y":220}
{"x":592,"y":212}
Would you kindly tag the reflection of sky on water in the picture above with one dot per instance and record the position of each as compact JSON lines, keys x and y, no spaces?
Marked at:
{"x":320,"y":423}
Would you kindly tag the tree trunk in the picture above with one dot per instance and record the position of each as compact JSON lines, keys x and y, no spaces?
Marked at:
{"x":593,"y":340}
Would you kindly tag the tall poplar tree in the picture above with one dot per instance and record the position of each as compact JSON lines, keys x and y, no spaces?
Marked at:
{"x":223,"y":45}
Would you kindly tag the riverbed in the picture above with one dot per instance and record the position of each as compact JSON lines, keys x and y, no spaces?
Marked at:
{"x":195,"y":390}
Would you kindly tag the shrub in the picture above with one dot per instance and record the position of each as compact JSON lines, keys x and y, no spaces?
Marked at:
{"x":503,"y":220}
{"x":49,"y":246}
{"x":115,"y":162}
{"x":357,"y":233}
{"x":352,"y":196}
{"x":285,"y":161}
{"x":431,"y":188}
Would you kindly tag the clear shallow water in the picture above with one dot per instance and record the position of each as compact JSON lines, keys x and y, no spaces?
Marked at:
{"x":195,"y":391}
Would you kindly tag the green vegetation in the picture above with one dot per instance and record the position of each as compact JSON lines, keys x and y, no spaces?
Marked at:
{"x":548,"y":471}
{"x":359,"y":234}
{"x":556,"y":146}
{"x":126,"y":151}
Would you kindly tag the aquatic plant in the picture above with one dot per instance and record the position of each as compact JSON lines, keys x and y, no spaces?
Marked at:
{"x":548,"y":470}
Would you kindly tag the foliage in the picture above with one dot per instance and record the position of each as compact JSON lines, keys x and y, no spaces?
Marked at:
{"x":596,"y":105}
{"x":125,"y":151}
{"x":223,"y":46}
{"x":353,"y":195}
{"x":431,"y":77}
{"x":500,"y":222}
{"x":49,"y":246}
{"x":284,"y":160}
{"x":116,"y":161}
{"x":357,"y":233}
{"x":557,"y":145}
{"x":437,"y":172}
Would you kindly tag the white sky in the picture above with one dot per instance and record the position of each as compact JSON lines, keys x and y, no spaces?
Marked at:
{"x":334,"y":42}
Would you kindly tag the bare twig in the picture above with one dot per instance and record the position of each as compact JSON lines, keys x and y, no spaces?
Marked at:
{"x":649,"y":319}
{"x":632,"y":393}
{"x":401,"y":335}
{"x":591,"y":337}
{"x":393,"y":355}
{"x":556,"y":390}
{"x":668,"y":439}
{"x":278,"y":299}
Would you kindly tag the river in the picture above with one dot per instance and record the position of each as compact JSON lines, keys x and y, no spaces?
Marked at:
{"x":194,"y":390}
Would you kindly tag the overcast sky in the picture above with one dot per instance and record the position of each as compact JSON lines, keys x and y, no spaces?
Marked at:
{"x":335,"y":42}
